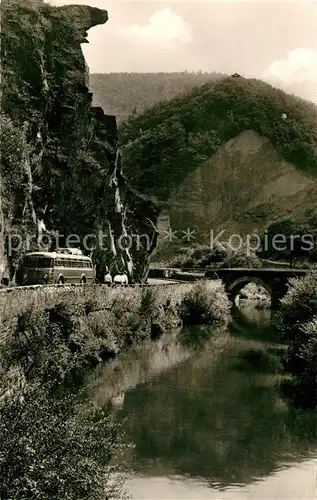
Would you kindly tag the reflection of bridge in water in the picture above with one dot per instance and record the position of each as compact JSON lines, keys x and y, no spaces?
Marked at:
{"x":275,"y":281}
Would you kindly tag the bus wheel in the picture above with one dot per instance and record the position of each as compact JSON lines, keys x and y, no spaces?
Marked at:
{"x":83,"y":280}
{"x":60,"y":280}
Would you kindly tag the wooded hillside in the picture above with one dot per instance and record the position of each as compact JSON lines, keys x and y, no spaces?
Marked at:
{"x":166,"y":142}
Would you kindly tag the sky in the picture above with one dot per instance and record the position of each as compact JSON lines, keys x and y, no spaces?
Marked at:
{"x":274,"y":40}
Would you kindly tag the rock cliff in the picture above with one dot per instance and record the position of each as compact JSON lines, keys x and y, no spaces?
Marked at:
{"x":61,"y":168}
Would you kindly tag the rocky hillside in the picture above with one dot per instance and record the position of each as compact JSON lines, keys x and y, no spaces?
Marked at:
{"x":61,"y":170}
{"x":245,"y":185}
{"x":235,"y":154}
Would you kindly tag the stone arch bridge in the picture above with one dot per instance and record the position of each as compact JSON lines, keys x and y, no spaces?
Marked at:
{"x":275,"y":281}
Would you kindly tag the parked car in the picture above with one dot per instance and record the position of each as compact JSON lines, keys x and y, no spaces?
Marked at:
{"x":108,"y":279}
{"x":120,"y":279}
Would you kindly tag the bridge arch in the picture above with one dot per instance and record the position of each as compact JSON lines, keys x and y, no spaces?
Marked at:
{"x":238,"y":284}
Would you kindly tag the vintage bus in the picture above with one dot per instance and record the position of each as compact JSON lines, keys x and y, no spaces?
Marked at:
{"x":55,"y":267}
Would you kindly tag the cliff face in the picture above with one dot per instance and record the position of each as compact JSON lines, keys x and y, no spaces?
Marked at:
{"x":245,"y":186}
{"x":61,"y":171}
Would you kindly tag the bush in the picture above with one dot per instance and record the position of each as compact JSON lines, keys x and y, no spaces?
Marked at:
{"x":149,"y":303}
{"x":241,"y":258}
{"x":299,"y":306}
{"x":307,"y":387}
{"x":56,"y":448}
{"x":55,"y":344}
{"x":205,"y":305}
{"x":199,"y":256}
{"x":297,"y":321}
{"x":57,"y":338}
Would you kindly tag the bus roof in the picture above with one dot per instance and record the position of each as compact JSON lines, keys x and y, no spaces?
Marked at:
{"x":59,"y":255}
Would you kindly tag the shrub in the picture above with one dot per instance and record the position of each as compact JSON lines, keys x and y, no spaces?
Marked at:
{"x":199,"y":256}
{"x":57,"y":343}
{"x":205,"y":305}
{"x":241,"y":258}
{"x":57,"y":338}
{"x":149,"y":303}
{"x":297,"y":321}
{"x":307,"y":388}
{"x":299,"y":306}
{"x":56,"y":448}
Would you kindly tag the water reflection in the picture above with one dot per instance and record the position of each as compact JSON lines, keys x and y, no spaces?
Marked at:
{"x":253,"y":313}
{"x":220,"y":418}
{"x":296,"y":483}
{"x":250,"y":322}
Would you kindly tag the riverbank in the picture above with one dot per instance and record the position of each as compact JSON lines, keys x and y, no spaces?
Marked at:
{"x":93,"y":346}
{"x":93,"y":324}
{"x":51,"y":342}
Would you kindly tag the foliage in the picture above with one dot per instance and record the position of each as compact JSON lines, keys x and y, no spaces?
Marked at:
{"x":54,"y":445}
{"x":307,"y":386}
{"x":199,"y":256}
{"x":56,"y":448}
{"x":221,"y":255}
{"x":171,"y":139}
{"x":299,"y":306}
{"x":241,"y":258}
{"x":297,"y":323}
{"x":204,"y":304}
{"x":53,"y":344}
{"x":55,"y":341}
{"x":299,"y":239}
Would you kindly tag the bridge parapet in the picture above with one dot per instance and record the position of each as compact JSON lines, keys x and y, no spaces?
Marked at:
{"x":257,"y":272}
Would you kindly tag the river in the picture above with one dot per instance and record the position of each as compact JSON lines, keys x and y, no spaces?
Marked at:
{"x":212,"y":425}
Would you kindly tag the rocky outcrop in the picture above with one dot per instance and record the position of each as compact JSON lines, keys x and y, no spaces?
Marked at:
{"x":84,"y":17}
{"x":61,"y":164}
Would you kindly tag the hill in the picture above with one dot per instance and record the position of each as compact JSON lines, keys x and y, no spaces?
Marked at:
{"x":123,"y":94}
{"x":235,"y":153}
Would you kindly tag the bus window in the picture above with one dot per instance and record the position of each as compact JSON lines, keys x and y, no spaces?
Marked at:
{"x":41,"y":262}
